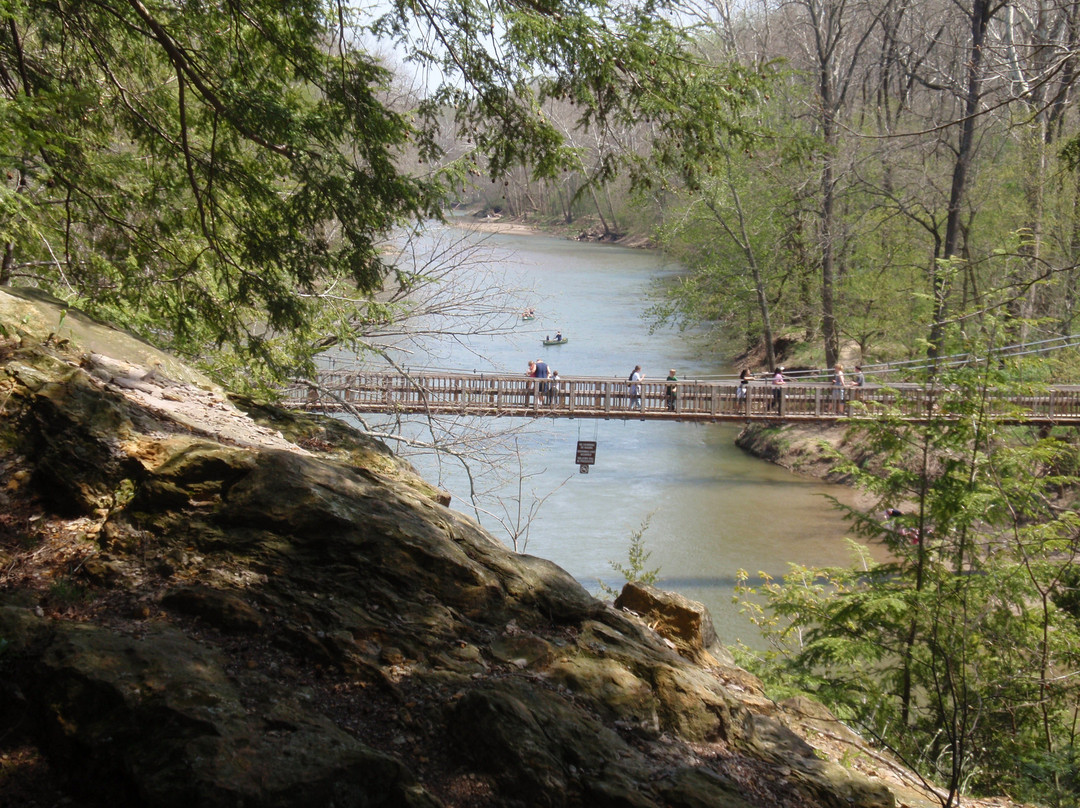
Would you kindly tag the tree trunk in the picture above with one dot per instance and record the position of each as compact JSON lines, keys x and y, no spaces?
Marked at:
{"x":940,"y":274}
{"x":828,"y":271}
{"x":742,"y":238}
{"x":6,"y":264}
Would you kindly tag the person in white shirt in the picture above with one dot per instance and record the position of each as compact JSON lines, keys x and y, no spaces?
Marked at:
{"x":635,"y":388}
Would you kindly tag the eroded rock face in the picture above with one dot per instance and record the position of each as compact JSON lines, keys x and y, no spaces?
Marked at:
{"x":282,"y":614}
{"x":686,"y":623}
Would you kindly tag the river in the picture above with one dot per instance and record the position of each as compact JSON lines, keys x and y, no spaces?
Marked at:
{"x":711,"y":509}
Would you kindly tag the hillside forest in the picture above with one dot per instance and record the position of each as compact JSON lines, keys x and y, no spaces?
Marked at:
{"x":235,"y":181}
{"x":911,"y":165}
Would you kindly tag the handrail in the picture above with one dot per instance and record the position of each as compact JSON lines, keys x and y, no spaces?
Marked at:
{"x":596,"y":397}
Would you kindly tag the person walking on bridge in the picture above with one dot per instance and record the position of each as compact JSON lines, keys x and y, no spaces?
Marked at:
{"x":553,"y":387}
{"x":778,"y":381}
{"x":671,"y":392}
{"x":838,"y":385}
{"x":531,"y":373}
{"x":635,"y":388}
{"x":745,"y":377}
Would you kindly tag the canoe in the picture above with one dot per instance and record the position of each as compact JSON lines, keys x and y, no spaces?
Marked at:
{"x":562,"y":341}
{"x":528,"y":317}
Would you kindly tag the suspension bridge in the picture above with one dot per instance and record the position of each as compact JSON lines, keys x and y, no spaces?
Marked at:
{"x":506,"y":395}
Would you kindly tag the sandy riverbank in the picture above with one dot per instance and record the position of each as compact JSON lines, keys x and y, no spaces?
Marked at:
{"x":500,"y":226}
{"x":513,"y":228}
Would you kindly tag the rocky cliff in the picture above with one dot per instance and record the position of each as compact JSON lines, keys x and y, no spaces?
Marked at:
{"x":208,"y":603}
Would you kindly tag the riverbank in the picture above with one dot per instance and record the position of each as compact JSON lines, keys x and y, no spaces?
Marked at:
{"x":809,"y":450}
{"x":575,"y":232}
{"x":502,"y":227}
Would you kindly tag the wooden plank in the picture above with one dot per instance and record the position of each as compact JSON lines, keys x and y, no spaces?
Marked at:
{"x":584,"y":397}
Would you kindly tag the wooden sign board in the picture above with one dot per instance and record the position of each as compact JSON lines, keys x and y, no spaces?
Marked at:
{"x":586,"y":452}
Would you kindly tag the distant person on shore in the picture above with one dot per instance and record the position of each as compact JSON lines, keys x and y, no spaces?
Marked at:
{"x":635,"y":388}
{"x":892,"y":522}
{"x":778,"y":381}
{"x":671,"y":392}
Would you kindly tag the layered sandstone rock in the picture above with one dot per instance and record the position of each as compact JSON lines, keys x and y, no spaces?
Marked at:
{"x":205,"y":607}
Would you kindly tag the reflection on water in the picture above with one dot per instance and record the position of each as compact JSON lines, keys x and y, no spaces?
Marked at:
{"x":711,"y":508}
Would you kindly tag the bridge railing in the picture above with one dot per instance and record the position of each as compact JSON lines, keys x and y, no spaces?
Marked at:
{"x":487,"y":394}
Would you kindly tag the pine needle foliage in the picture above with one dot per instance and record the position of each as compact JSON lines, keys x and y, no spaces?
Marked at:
{"x":221,"y":177}
{"x":962,"y":652}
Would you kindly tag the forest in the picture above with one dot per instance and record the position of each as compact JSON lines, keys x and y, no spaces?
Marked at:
{"x":907,"y":166}
{"x":233,"y":181}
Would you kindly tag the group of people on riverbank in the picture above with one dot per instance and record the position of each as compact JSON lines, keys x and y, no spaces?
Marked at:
{"x":896,"y":523}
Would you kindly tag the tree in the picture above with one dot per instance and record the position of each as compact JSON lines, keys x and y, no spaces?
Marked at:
{"x":740,"y":255}
{"x":202,"y":172}
{"x":836,"y":34}
{"x":956,"y":654}
{"x":450,"y":287}
{"x":197,"y":172}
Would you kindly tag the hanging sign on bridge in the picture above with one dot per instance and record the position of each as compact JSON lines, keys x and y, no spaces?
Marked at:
{"x":586,"y":454}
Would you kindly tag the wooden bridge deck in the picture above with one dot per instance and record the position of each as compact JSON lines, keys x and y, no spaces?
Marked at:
{"x":590,"y":397}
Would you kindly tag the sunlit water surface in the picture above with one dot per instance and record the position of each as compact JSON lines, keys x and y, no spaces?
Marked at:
{"x":711,"y":508}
